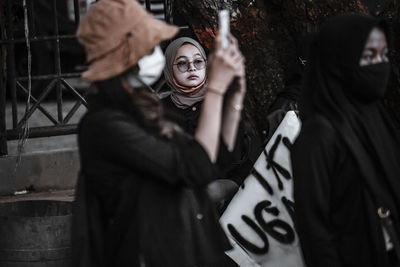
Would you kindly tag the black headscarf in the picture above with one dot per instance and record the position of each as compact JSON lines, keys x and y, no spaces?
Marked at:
{"x":339,"y":89}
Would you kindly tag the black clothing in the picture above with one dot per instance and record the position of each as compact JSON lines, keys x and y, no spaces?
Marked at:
{"x":329,"y":191}
{"x":351,"y":144}
{"x":145,"y":195}
{"x":285,"y":100}
{"x":288,"y":98}
{"x":186,"y":118}
{"x":235,"y":165}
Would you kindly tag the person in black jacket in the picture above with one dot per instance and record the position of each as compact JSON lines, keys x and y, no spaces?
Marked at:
{"x":185,"y":74}
{"x":289,"y":96}
{"x":141,"y":198}
{"x":346,"y":160}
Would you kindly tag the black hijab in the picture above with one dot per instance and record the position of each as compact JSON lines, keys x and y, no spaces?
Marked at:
{"x":349,"y":96}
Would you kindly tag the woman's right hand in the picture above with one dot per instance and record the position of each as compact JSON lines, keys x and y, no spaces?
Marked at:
{"x":224,"y":65}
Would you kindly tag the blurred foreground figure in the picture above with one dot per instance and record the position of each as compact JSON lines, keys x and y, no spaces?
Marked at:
{"x":141,"y":198}
{"x":346,"y":160}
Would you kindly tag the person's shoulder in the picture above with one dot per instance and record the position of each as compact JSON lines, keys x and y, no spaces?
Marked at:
{"x":319,"y":143}
{"x":107,"y":114}
{"x":319,"y":125}
{"x":317,"y":131}
{"x":105,"y":118}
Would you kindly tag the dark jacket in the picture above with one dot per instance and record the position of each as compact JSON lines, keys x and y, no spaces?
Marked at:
{"x":234,"y":166}
{"x":140,"y":197}
{"x":335,"y":218}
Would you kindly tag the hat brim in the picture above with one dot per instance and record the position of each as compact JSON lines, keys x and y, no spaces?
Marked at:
{"x":142,"y":39}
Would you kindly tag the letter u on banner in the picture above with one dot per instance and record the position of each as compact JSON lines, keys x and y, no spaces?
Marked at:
{"x":259,"y":219}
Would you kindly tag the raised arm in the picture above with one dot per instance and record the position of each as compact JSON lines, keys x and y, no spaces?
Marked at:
{"x":233,"y":109}
{"x":224,"y":66}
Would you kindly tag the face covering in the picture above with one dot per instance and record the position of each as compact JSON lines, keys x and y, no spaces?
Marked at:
{"x":369,"y":82}
{"x":150,"y":69}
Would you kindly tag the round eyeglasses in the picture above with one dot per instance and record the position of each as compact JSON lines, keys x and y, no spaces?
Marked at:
{"x":184,"y":65}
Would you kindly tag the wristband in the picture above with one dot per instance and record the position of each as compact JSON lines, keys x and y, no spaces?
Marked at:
{"x":237,"y":107}
{"x":214,"y":91}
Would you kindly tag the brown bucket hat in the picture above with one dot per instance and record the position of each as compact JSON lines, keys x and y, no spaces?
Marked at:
{"x":116,"y":34}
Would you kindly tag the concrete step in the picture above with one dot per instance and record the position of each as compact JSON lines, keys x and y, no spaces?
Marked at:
{"x":41,"y":171}
{"x":57,"y":195}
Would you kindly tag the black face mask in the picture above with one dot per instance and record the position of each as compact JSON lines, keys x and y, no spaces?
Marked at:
{"x":369,"y":82}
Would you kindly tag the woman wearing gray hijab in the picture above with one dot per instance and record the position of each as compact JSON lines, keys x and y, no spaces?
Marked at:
{"x":187,"y":81}
{"x":186,"y":75}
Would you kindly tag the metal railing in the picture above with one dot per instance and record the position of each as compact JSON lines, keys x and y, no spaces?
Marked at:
{"x":27,"y":14}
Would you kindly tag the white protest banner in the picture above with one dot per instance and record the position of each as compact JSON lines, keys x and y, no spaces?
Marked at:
{"x":259,"y":219}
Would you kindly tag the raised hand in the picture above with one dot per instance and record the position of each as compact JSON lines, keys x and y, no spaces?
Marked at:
{"x":224,"y":65}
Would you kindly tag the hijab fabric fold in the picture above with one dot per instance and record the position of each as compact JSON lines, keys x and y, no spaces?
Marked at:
{"x":178,"y":95}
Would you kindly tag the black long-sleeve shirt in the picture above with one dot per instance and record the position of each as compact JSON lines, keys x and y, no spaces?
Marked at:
{"x":335,"y":224}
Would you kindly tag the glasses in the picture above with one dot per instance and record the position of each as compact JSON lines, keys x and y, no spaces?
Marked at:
{"x":183,"y":66}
